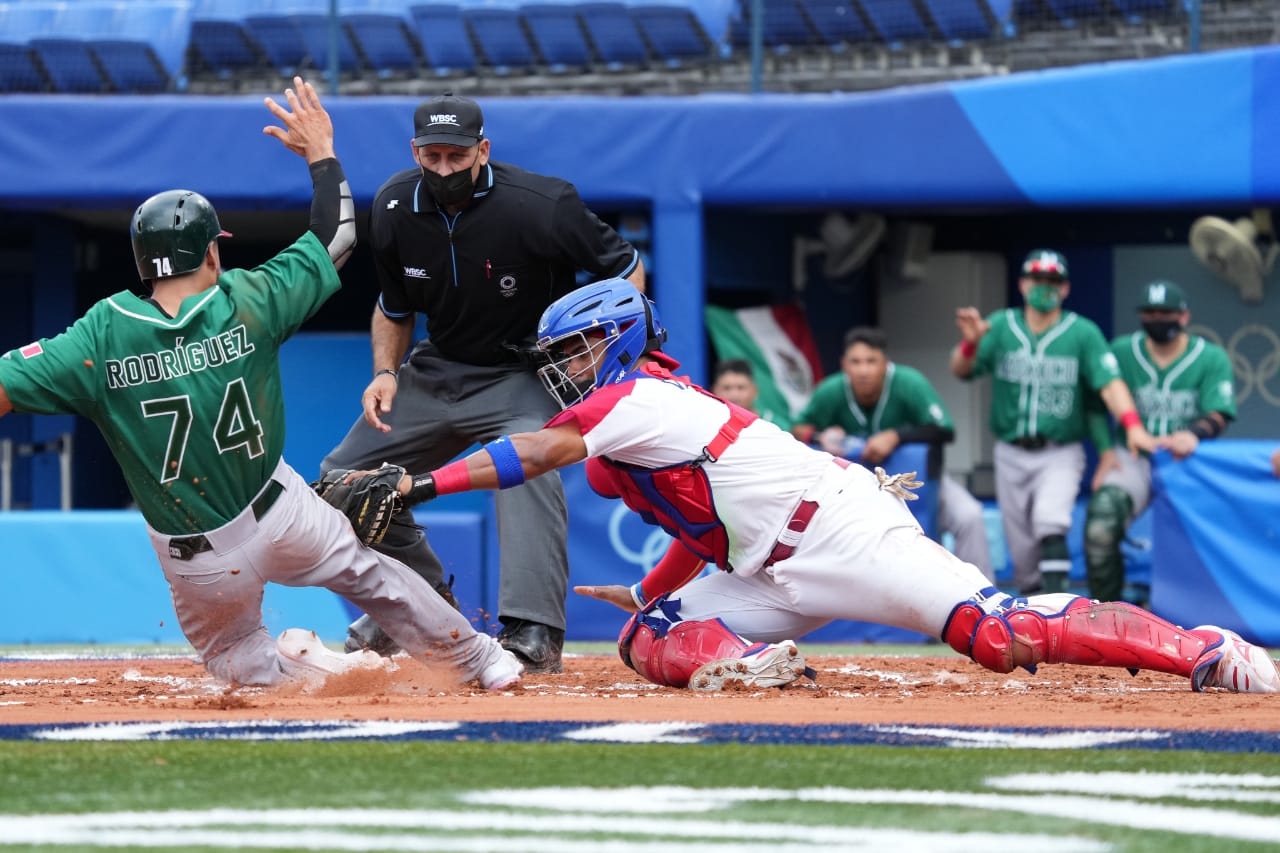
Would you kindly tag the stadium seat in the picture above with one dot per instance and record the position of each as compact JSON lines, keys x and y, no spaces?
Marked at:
{"x":446,"y":45}
{"x":1138,"y":10}
{"x":315,"y":34}
{"x":1070,"y":13}
{"x":959,"y":21}
{"x":130,"y":66}
{"x":221,"y":48}
{"x":19,"y":71}
{"x":164,"y":24}
{"x":558,"y":36}
{"x":674,"y":35}
{"x":385,"y":41}
{"x":895,"y":22}
{"x":70,"y":65}
{"x":281,"y":43}
{"x":784,"y":27}
{"x":836,"y":22}
{"x":503,"y":45}
{"x":614,"y":35}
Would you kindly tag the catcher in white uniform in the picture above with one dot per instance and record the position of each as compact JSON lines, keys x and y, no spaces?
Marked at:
{"x":802,"y":537}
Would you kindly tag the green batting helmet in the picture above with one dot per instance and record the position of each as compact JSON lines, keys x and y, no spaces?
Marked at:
{"x":171,"y":232}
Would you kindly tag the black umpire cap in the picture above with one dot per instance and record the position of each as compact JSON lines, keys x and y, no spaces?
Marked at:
{"x":448,"y":120}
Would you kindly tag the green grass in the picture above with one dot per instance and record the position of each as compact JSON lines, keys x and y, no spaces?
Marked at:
{"x":435,"y":778}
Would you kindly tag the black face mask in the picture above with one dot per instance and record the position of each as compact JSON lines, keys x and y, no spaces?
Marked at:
{"x":1162,"y":331}
{"x":451,"y":190}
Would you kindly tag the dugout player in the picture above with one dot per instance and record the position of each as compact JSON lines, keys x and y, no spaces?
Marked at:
{"x":480,"y":248}
{"x":886,"y":404}
{"x":1183,"y":387}
{"x":185,"y":386}
{"x":734,"y":380}
{"x":804,"y":537}
{"x":1045,"y":363}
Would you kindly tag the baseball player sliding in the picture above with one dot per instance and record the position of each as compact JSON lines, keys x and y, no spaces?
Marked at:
{"x":803,"y":537}
{"x":185,"y":386}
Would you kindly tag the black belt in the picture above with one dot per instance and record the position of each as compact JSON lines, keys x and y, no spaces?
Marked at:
{"x":186,"y":547}
{"x":1030,"y":442}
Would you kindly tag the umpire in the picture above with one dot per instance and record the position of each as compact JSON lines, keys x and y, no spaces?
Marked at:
{"x":480,"y":248}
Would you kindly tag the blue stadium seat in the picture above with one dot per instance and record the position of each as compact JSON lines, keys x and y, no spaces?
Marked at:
{"x":502,"y":41}
{"x":164,"y":24}
{"x":1071,"y":13}
{"x":315,"y":34}
{"x":446,"y":45}
{"x":280,"y":41}
{"x":130,"y":66}
{"x":894,"y":21}
{"x":614,"y":35}
{"x":221,"y":48}
{"x":674,"y":35}
{"x":225,"y":10}
{"x":70,"y":65}
{"x":1137,"y":10}
{"x":385,"y":41}
{"x":836,"y":22}
{"x":19,"y":71}
{"x":784,"y":26}
{"x":960,"y":20}
{"x":558,"y":36}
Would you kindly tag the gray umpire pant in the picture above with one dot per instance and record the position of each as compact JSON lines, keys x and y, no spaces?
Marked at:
{"x":441,"y":408}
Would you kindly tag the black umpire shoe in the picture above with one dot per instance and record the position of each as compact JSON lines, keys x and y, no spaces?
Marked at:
{"x":538,"y":646}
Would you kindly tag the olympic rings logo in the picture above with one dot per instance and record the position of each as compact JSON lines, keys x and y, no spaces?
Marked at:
{"x":1248,"y":377}
{"x":651,"y":549}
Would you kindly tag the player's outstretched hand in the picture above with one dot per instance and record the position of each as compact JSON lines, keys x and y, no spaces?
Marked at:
{"x":308,"y":130}
{"x":618,"y":596}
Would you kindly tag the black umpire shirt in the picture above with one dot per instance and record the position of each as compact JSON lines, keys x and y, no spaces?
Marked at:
{"x":484,"y":275}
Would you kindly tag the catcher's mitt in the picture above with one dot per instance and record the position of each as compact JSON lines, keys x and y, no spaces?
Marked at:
{"x":370,"y":500}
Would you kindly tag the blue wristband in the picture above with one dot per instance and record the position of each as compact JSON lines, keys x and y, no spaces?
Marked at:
{"x":507,"y":462}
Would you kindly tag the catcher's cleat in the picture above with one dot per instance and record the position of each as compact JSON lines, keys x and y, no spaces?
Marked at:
{"x":539,"y":647}
{"x":364,"y":633}
{"x":1230,"y":663}
{"x":502,"y":673}
{"x":775,"y":665}
{"x":302,"y":655}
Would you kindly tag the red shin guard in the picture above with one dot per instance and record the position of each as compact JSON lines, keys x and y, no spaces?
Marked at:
{"x":670,"y":659}
{"x":1086,"y":632}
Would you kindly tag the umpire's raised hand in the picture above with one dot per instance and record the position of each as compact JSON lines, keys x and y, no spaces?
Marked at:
{"x":308,"y":130}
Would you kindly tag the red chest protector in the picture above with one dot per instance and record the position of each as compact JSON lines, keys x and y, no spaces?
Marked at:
{"x":676,"y":498}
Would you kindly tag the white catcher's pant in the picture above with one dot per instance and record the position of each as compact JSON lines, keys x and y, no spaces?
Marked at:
{"x":863,"y":557}
{"x":302,"y":541}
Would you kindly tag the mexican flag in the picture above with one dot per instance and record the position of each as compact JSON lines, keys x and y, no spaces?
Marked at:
{"x":776,"y":341}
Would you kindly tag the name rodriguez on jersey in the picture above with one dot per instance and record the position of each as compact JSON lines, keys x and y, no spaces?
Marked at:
{"x":181,"y":360}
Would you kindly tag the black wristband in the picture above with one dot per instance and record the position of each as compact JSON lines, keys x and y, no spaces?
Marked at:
{"x":1206,"y":427}
{"x":423,"y":489}
{"x":394,"y":373}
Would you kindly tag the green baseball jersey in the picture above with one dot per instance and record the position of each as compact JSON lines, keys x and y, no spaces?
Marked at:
{"x":191,"y":406}
{"x":907,"y":399}
{"x":1040,"y":383}
{"x":1198,"y":382}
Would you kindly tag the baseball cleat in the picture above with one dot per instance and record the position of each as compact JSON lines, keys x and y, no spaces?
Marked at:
{"x":503,"y":671}
{"x":364,"y":633}
{"x":302,"y":654}
{"x":774,"y":665}
{"x":1230,"y":663}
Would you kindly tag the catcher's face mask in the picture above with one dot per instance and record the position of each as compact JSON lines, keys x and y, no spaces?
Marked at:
{"x":571,"y":373}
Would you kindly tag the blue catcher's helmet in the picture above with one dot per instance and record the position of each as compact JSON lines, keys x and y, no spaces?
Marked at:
{"x":609,"y":321}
